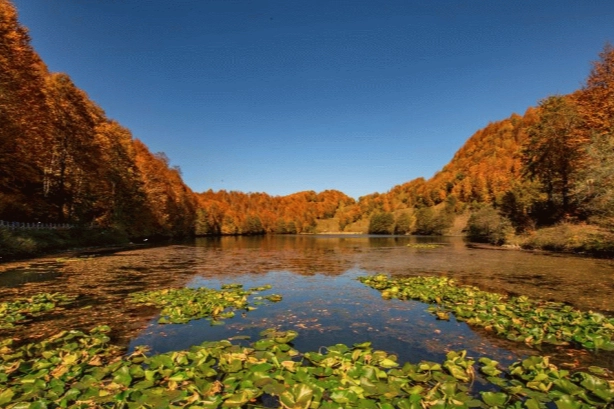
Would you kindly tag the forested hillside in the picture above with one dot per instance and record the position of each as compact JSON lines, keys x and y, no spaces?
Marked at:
{"x":63,"y":160}
{"x":552,"y":164}
{"x":256,"y":213}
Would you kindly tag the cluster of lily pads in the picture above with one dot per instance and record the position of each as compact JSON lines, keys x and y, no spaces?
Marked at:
{"x":21,"y":310}
{"x":181,"y":305}
{"x":83,"y":370}
{"x":424,"y":245}
{"x":516,"y":318}
{"x":75,"y":369}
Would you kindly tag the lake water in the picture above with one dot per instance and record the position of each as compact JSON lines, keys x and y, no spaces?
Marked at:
{"x":322,"y":298}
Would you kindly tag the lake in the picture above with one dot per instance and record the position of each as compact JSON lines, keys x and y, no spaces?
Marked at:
{"x":322,"y":299}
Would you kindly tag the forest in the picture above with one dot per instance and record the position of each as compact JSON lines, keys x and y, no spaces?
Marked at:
{"x":63,"y":160}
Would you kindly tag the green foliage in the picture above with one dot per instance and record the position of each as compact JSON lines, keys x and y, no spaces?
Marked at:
{"x":283,"y":227}
{"x":522,"y":203}
{"x":291,"y":227}
{"x":381,"y":223}
{"x":203,"y":226}
{"x":22,"y":310}
{"x":488,"y":226}
{"x":186,"y":304}
{"x":432,"y":222}
{"x":403,"y":223}
{"x":252,"y":225}
{"x":424,"y":245}
{"x":80,"y":370}
{"x":595,"y":189}
{"x":553,"y":152}
{"x":515,"y":318}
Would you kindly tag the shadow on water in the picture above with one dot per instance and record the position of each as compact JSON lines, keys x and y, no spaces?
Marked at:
{"x":322,"y":300}
{"x":32,"y":273}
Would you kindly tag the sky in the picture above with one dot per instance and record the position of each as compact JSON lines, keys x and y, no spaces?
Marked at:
{"x":284,"y":96}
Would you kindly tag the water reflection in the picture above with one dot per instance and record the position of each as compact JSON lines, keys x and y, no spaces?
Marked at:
{"x":322,"y":299}
{"x":583,"y":282}
{"x":326,"y":311}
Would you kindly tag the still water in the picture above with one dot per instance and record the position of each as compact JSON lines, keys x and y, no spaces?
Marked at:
{"x":322,"y":298}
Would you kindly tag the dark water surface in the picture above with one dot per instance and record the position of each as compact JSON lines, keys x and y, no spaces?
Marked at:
{"x":322,"y":299}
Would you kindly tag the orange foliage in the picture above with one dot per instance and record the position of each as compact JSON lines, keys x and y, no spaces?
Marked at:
{"x":254,"y":213}
{"x":61,"y":159}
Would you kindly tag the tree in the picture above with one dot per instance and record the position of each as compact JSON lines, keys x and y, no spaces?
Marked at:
{"x":381,"y":223}
{"x":252,"y":225}
{"x":171,"y":204}
{"x":24,"y":122}
{"x":595,"y":189}
{"x":431,"y":222}
{"x":403,"y":223}
{"x":554,"y":151}
{"x":71,"y":167}
{"x":488,"y":226}
{"x":522,"y":204}
{"x":596,"y":100}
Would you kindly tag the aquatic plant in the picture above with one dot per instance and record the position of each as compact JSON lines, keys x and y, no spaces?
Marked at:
{"x":424,"y":245}
{"x":81,"y":370}
{"x":181,"y":305}
{"x":516,"y":318}
{"x":22,"y":310}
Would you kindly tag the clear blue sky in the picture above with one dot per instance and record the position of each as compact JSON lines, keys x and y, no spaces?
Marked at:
{"x":283,"y":96}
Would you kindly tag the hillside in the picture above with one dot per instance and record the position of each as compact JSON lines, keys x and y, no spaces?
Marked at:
{"x":549,"y":165}
{"x":62,"y":160}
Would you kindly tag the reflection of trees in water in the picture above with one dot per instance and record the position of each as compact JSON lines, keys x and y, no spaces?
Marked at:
{"x":308,"y":254}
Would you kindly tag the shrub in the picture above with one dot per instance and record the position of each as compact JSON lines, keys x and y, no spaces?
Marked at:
{"x":381,"y":223}
{"x":403,"y":224}
{"x":429,"y":222}
{"x":487,"y":226}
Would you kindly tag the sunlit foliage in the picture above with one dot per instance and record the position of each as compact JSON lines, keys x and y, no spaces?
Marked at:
{"x":63,"y":160}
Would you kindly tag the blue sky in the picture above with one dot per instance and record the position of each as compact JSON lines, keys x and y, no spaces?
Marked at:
{"x":284,"y":96}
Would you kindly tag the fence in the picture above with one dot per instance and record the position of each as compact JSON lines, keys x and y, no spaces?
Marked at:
{"x":36,"y":226}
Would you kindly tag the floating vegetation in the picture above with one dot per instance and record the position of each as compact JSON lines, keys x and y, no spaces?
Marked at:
{"x":182,"y":305}
{"x":80,"y":370}
{"x":516,"y":318}
{"x":273,"y":298}
{"x":424,"y":245}
{"x":71,"y":259}
{"x":21,"y":310}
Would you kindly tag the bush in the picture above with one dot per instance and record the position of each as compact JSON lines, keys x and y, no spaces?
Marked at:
{"x":488,"y":226}
{"x":403,"y":224}
{"x":429,"y":222}
{"x":381,"y":223}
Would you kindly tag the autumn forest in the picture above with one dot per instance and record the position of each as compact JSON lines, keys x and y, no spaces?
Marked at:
{"x":63,"y":160}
